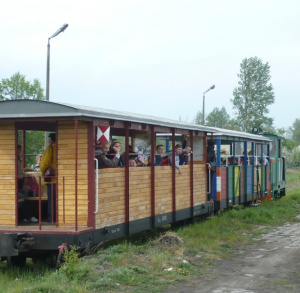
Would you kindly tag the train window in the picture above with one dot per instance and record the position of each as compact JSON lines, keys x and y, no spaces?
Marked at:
{"x":238,"y":148}
{"x":198,"y":148}
{"x":273,"y":148}
{"x":141,"y":144}
{"x":34,"y":145}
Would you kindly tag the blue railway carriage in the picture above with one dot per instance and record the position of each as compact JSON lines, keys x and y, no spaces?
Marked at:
{"x":93,"y":205}
{"x":249,"y":168}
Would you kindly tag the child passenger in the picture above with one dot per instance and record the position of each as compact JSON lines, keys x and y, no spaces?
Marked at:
{"x":103,"y":160}
{"x":178,"y":152}
{"x":132,"y":163}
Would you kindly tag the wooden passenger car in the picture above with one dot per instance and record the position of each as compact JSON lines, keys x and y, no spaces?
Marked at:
{"x":245,"y":169}
{"x":94,"y":205}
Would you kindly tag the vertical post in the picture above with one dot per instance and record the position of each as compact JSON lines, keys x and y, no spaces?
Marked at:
{"x":153,"y":144}
{"x":76,"y":175}
{"x":48,"y":70}
{"x":203,"y":107}
{"x":173,"y":177}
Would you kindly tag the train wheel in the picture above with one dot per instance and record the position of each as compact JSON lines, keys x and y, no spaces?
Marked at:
{"x":16,"y":261}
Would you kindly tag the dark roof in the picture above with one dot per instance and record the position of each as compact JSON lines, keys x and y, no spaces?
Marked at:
{"x":35,"y":108}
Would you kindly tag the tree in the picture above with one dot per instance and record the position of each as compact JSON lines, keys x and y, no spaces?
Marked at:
{"x":253,"y":95}
{"x":218,"y":118}
{"x":198,"y":118}
{"x":17,"y":87}
{"x":296,"y":130}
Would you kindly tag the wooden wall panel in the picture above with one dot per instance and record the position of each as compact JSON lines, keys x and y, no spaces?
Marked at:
{"x":140,"y":193}
{"x":66,"y":173}
{"x":200,"y":189}
{"x":183,"y":192}
{"x":163,"y":190}
{"x":111,"y":197}
{"x":7,"y":174}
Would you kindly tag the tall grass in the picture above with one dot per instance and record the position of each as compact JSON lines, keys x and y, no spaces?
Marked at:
{"x":143,"y":263}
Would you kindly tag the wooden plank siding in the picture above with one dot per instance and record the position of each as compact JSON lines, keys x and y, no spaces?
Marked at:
{"x":66,"y":173}
{"x":163,"y":190}
{"x":111,"y":197}
{"x":112,"y":192}
{"x":200,"y":184}
{"x":7,"y":174}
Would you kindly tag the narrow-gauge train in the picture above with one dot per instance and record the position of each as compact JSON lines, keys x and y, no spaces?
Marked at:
{"x":94,"y":205}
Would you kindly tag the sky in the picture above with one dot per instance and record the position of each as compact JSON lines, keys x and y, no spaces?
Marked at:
{"x":154,"y":57}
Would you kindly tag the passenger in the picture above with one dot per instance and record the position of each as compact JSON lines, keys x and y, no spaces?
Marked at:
{"x":211,"y":165}
{"x":115,"y":144}
{"x":160,"y":150}
{"x":186,"y":153}
{"x":211,"y":156}
{"x":36,"y":167}
{"x":132,"y":163}
{"x":263,"y":161}
{"x":49,"y":159}
{"x":103,"y":160}
{"x":230,"y":161}
{"x":132,"y":155}
{"x":23,"y":209}
{"x":140,"y":161}
{"x":178,"y":151}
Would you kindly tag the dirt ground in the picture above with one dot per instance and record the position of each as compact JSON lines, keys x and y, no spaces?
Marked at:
{"x":270,"y":264}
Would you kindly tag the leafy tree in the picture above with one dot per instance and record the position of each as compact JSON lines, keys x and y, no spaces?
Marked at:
{"x":296,"y":130}
{"x":253,"y":95}
{"x":198,"y":118}
{"x":17,"y":87}
{"x":218,"y":118}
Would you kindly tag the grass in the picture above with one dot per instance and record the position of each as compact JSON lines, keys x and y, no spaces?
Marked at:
{"x":154,"y":260}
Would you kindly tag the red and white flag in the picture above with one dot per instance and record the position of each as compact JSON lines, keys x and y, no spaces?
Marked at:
{"x":103,"y":133}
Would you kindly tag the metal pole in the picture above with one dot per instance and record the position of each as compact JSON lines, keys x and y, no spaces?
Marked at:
{"x":203,"y":111}
{"x":203,"y":107}
{"x":48,"y":70}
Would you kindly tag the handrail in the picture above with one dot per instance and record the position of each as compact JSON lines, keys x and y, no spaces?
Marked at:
{"x":209,"y":180}
{"x":97,"y":190}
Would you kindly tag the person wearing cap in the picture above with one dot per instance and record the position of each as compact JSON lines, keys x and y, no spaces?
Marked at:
{"x":49,"y":159}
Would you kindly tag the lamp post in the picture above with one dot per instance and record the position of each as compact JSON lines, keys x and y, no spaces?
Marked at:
{"x":203,"y":115}
{"x":48,"y":57}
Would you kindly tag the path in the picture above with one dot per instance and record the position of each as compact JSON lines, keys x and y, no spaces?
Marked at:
{"x":270,"y":264}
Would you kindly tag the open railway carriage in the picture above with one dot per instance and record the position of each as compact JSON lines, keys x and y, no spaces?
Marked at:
{"x":249,"y":167}
{"x":94,"y":205}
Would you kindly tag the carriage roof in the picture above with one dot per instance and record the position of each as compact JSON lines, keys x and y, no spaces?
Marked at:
{"x":20,"y":109}
{"x":230,"y":135}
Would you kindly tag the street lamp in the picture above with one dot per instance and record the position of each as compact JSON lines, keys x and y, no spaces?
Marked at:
{"x":211,"y":88}
{"x":48,"y":57}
